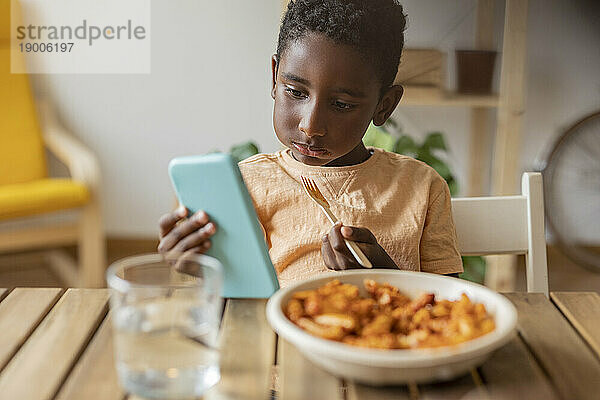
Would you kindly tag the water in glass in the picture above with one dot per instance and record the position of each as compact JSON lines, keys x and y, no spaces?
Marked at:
{"x":166,"y":349}
{"x":166,"y":324}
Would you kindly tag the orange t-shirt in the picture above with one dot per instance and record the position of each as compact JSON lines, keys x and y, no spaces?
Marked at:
{"x":402,"y":201}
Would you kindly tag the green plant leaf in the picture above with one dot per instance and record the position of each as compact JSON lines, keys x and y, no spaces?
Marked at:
{"x":376,"y":137}
{"x":474,"y":269}
{"x":406,"y":145}
{"x":435,"y":140}
{"x":244,"y":150}
{"x":384,"y":128}
{"x":440,"y":166}
{"x":390,"y":122}
{"x":452,"y":186}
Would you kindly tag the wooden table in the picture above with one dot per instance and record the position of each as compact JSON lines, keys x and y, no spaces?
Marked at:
{"x":57,"y":344}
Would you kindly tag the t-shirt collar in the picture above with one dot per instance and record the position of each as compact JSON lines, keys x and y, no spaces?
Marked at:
{"x":287,"y":158}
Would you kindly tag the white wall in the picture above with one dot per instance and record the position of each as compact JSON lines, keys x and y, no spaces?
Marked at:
{"x":563,"y":72}
{"x":209,"y":88}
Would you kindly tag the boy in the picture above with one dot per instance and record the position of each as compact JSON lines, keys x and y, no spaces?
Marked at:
{"x":332,"y":75}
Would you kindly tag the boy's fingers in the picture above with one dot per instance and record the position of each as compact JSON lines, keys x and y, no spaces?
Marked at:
{"x":166,"y":223}
{"x":196,"y":239}
{"x":169,"y":220}
{"x":189,"y":267}
{"x":334,"y":259}
{"x":357,"y":234}
{"x":337,"y":242}
{"x":182,"y":230}
{"x":328,"y":254}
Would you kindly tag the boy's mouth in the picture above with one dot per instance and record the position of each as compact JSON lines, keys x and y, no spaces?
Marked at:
{"x":310,"y":150}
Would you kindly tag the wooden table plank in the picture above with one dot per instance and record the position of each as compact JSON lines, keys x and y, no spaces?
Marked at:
{"x":463,"y":387}
{"x":300,"y":379}
{"x":41,"y":365}
{"x":247,"y":352}
{"x":358,"y":391}
{"x":582,"y":309}
{"x":511,"y":372}
{"x":94,"y":376}
{"x":565,"y":357}
{"x":466,"y":387}
{"x":3,"y":293}
{"x":20,"y":313}
{"x":568,"y":366}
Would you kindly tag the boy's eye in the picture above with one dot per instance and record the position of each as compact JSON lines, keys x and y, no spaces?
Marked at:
{"x":294,"y":93}
{"x":342,"y":106}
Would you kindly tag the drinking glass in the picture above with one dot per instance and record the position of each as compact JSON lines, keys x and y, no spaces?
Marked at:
{"x":166,"y":323}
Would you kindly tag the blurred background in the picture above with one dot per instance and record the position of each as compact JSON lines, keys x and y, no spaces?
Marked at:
{"x":209,"y":90}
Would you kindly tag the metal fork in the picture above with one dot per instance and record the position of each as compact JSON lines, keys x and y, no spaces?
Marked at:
{"x":314,"y":193}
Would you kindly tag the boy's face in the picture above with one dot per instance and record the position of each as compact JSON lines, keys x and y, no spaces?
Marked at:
{"x":325,"y":97}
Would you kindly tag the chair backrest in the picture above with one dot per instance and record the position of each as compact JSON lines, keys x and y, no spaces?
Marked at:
{"x":22,"y":156}
{"x":507,"y":225}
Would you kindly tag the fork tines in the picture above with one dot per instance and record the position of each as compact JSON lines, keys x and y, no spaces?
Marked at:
{"x":313,"y":190}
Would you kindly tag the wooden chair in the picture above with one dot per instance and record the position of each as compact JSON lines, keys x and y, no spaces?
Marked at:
{"x":32,"y":204}
{"x":507,"y":225}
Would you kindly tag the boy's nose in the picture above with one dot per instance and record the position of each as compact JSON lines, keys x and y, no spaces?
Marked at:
{"x":312,"y":122}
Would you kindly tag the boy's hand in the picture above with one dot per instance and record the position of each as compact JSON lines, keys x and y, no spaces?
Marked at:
{"x":337,"y":256}
{"x":178,"y":234}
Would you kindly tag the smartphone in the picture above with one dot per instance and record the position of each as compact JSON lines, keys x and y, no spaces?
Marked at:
{"x":213,"y":183}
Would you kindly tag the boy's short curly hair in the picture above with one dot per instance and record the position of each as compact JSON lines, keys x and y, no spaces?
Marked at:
{"x":374,"y":27}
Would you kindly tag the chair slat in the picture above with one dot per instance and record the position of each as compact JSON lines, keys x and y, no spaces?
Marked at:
{"x":565,"y":357}
{"x":20,"y":313}
{"x":583,"y":311}
{"x":39,"y":368}
{"x":536,"y":262}
{"x":247,"y":352}
{"x":491,"y":225}
{"x":512,"y":373}
{"x":96,"y":365}
{"x":300,"y":379}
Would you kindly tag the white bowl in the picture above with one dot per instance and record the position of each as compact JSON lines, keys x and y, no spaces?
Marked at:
{"x":381,"y":367}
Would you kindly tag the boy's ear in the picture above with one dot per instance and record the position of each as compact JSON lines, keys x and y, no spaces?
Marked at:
{"x":387,"y":104}
{"x":273,"y":74}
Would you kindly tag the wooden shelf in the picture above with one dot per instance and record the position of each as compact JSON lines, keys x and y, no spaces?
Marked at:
{"x":433,"y":96}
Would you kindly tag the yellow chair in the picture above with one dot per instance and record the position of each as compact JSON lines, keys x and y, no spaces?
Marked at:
{"x":27,"y":193}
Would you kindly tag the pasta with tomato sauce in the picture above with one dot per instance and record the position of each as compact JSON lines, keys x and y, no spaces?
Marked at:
{"x":387,"y":318}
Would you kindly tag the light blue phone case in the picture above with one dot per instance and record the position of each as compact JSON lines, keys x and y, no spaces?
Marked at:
{"x":213,"y":183}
